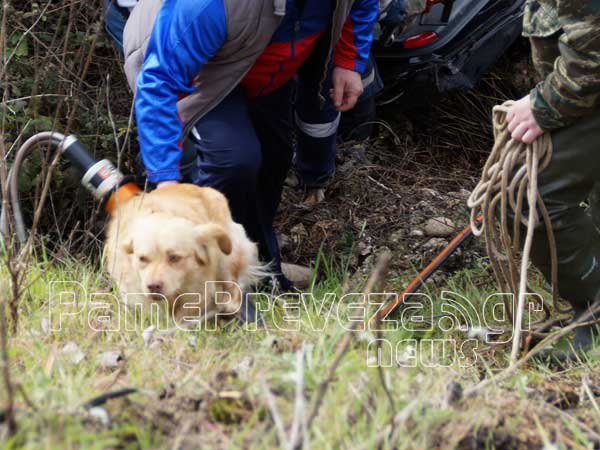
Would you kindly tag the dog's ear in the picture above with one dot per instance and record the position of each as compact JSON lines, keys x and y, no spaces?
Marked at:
{"x":210,"y":231}
{"x":201,"y":254}
{"x":127,"y":245}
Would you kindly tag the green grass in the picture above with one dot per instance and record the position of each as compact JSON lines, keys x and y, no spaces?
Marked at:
{"x":202,"y":389}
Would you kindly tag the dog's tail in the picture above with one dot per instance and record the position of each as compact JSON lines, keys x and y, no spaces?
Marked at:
{"x":255,"y":273}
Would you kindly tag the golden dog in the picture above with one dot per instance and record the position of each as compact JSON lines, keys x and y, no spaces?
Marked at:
{"x":177,"y":240}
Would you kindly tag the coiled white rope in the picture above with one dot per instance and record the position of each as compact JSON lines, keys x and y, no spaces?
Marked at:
{"x":511,"y":171}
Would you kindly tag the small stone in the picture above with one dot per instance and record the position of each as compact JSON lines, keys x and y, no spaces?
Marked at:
{"x":109,"y":360}
{"x":429,"y":193}
{"x":423,"y":205}
{"x":463,"y":194}
{"x":435,"y":243}
{"x":437,"y":279}
{"x":396,"y":237}
{"x":72,"y":351}
{"x":439,"y":227}
{"x":416,"y":233}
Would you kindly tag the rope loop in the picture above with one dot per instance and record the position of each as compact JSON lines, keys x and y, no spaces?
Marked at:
{"x":508,"y":188}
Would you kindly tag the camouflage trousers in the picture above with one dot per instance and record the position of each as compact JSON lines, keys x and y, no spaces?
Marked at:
{"x":571,"y":181}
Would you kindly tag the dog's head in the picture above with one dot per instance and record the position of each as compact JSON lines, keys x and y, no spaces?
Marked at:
{"x":173,"y":256}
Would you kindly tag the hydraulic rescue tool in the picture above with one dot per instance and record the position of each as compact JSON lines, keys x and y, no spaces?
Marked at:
{"x":101,"y":178}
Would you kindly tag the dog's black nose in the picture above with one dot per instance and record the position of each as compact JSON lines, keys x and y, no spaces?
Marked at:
{"x":156,"y":287}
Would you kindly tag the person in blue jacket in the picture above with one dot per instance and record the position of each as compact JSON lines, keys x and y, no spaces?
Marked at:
{"x":243,"y":145}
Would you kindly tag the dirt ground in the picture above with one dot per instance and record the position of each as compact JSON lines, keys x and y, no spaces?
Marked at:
{"x":379,"y":200}
{"x":417,"y":166}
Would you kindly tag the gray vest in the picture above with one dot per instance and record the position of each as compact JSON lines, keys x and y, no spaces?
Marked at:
{"x":250,"y":26}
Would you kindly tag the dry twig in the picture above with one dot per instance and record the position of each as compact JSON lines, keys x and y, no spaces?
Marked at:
{"x":297,"y":436}
{"x":274,"y":412}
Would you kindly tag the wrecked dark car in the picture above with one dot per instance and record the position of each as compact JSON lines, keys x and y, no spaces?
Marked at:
{"x":451,"y":46}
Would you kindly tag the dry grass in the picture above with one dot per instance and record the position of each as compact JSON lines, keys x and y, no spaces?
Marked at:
{"x":203,"y":389}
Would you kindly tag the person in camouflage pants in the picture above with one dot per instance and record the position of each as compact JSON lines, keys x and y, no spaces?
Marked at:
{"x":565,"y":42}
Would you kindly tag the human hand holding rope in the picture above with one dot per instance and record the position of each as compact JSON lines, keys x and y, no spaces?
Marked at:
{"x":522,"y":125}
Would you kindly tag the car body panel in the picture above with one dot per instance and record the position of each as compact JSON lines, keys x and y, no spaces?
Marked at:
{"x":472,"y":35}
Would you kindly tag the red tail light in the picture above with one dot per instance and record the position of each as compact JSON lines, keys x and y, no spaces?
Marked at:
{"x":420,"y":40}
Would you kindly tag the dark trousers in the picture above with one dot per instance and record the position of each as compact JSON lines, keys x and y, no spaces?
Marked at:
{"x":357,"y":124}
{"x":315,"y":169}
{"x":571,"y":179}
{"x":245,"y":148}
{"x":316,"y":131}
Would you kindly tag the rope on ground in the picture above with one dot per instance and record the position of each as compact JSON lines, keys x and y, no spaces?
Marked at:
{"x":510,"y":173}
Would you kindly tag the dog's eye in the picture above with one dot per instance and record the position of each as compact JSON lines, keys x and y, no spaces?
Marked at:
{"x":144,"y":259}
{"x":174,"y":259}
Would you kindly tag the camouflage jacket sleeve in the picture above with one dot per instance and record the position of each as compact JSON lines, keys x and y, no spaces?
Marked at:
{"x":572,"y":89}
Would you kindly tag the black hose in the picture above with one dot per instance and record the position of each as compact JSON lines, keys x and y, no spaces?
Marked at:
{"x":102,"y":399}
{"x":23,"y":153}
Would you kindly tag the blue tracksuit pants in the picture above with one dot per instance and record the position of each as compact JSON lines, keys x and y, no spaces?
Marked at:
{"x":245,"y":148}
